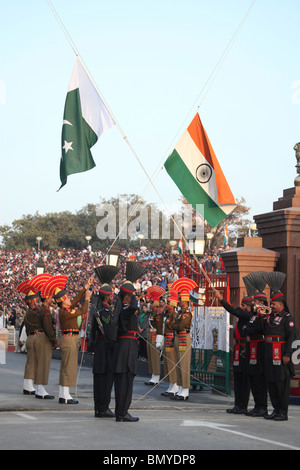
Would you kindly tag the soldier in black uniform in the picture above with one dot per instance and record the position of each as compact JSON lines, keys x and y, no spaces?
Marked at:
{"x":125,"y":354}
{"x":240,"y":376}
{"x":255,"y":355}
{"x":280,"y":332}
{"x":102,"y":333}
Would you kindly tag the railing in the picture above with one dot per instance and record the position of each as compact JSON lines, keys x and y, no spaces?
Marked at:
{"x":208,"y":367}
{"x":191,"y":269}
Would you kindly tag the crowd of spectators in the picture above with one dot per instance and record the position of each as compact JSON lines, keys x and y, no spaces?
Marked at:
{"x":16,"y":266}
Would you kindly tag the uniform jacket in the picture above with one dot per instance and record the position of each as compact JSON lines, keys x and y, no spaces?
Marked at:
{"x":102,"y":332}
{"x":282,"y":326}
{"x":31,"y":321}
{"x":68,"y":318}
{"x":243,"y":316}
{"x":125,"y":352}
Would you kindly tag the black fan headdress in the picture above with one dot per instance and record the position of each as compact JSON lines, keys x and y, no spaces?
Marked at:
{"x":105,"y":274}
{"x":275,"y":281}
{"x":258,"y":281}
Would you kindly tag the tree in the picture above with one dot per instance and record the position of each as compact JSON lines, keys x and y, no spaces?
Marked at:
{"x":237,"y":224}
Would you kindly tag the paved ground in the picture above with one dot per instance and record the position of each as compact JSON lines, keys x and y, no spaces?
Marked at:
{"x":168,"y":426}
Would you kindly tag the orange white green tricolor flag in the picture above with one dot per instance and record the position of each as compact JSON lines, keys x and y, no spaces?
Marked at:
{"x":194,"y":168}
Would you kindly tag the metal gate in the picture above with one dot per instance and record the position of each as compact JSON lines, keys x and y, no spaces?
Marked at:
{"x":210,"y":349}
{"x":210,"y":329}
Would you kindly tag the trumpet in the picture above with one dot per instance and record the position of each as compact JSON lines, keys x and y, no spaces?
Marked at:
{"x":262,"y":309}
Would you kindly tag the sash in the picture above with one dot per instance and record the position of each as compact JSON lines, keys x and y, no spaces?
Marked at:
{"x":254,"y":340}
{"x":276,"y":341}
{"x":182,"y":340}
{"x":169,"y":336}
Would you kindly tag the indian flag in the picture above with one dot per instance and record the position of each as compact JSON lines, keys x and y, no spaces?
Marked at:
{"x":226,"y":236}
{"x":86,"y":118}
{"x":194,"y":168}
{"x":180,"y":246}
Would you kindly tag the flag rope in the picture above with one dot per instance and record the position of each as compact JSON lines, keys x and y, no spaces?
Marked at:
{"x":151,"y":179}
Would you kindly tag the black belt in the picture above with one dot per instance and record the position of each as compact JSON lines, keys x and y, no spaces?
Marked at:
{"x":255,"y":338}
{"x":70,"y":332}
{"x":239,"y":341}
{"x":278,"y":339}
{"x":130,"y":334}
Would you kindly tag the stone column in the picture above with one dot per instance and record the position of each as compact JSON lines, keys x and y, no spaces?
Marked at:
{"x":248,"y":256}
{"x":280,"y":231}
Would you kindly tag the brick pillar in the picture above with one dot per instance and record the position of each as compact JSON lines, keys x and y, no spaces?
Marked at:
{"x":280,"y":231}
{"x":248,"y":256}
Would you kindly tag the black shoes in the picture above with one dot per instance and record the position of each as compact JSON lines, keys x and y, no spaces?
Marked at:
{"x":275,"y":416}
{"x":128,"y":418}
{"x":45,"y":397}
{"x":150,"y":383}
{"x":236,"y":410}
{"x":179,"y":398}
{"x":168,"y":394}
{"x":105,"y":414}
{"x":66,"y":401}
{"x":27,"y":392}
{"x":257,"y":413}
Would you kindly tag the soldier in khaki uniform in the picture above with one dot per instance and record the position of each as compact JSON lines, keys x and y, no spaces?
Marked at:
{"x":31,"y":325}
{"x":169,"y":350}
{"x":153,"y":353}
{"x":70,"y":331}
{"x":182,"y":341}
{"x":44,"y":342}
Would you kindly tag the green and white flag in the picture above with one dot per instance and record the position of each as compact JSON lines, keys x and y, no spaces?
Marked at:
{"x":86,"y":118}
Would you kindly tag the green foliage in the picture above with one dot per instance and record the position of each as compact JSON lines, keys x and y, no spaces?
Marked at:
{"x":67,"y":230}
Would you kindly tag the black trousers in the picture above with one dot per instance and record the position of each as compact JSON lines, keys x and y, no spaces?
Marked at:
{"x":241,"y":389}
{"x":279,"y":395}
{"x":258,"y":386}
{"x":123,"y":392}
{"x":102,"y":391}
{"x":142,"y":348}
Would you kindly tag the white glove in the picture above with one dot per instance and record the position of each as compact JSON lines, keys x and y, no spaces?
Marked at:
{"x":159,"y":341}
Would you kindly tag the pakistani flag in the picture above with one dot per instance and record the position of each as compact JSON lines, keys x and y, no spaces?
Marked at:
{"x":195,"y":170}
{"x":85,"y":119}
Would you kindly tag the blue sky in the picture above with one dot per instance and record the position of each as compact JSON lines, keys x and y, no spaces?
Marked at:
{"x":150,"y":59}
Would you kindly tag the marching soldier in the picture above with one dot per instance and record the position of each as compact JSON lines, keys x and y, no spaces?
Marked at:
{"x":255,"y":345}
{"x":169,"y":351}
{"x":102,"y":334}
{"x":280,"y":332}
{"x":44,"y":342}
{"x":125,"y":354}
{"x":182,"y":341}
{"x":70,"y":331}
{"x":240,"y":376}
{"x":31,"y":325}
{"x":153,"y":352}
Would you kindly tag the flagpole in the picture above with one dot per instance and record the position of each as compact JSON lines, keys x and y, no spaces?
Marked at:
{"x":78,"y":55}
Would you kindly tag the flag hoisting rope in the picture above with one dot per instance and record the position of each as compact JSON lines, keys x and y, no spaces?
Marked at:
{"x":157,"y":171}
{"x":150,"y":180}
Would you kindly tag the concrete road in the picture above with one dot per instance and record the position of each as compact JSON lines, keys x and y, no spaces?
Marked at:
{"x":201,"y":423}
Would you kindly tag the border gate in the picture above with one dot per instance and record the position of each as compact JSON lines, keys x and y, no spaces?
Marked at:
{"x":210,"y":329}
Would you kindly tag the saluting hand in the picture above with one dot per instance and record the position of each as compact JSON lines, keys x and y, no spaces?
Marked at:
{"x":88,"y":283}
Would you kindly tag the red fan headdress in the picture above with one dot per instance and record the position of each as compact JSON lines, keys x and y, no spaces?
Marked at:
{"x":156,"y":292}
{"x":40,"y":280}
{"x":26,"y":288}
{"x":183,"y":286}
{"x":55,"y":288}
